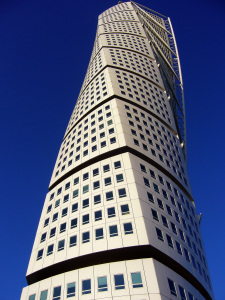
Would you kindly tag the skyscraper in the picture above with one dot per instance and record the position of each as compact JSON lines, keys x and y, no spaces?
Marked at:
{"x":119,"y":220}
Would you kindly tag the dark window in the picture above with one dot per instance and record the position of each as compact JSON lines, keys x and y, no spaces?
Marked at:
{"x":119,"y":282}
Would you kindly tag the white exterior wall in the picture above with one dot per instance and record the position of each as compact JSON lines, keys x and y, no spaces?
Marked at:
{"x":123,"y":104}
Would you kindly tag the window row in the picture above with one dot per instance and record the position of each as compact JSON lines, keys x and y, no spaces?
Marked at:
{"x":86,"y":286}
{"x":99,"y":234}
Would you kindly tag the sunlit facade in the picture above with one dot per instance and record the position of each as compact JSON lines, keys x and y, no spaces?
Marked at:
{"x":119,"y":220}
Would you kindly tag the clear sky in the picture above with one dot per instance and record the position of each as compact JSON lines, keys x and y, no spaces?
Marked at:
{"x":45,"y":47}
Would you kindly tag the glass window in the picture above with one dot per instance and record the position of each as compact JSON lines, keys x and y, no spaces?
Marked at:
{"x":85,"y":203}
{"x":128,"y":229}
{"x":76,"y":180}
{"x":178,"y":248}
{"x":61,"y":245}
{"x":95,"y":172}
{"x":98,"y":215}
{"x":117,"y":165}
{"x":86,"y":237}
{"x":52,"y":232}
{"x":85,"y":189}
{"x":155,"y":215}
{"x":111,"y":212}
{"x":43,"y":237}
{"x":108,"y":181}
{"x":32,"y":297}
{"x":66,"y":198}
{"x":71,"y":287}
{"x":122,"y":193}
{"x":57,"y":203}
{"x":57,"y":293}
{"x":44,"y":295}
{"x":150,"y":197}
{"x":97,"y":199}
{"x":85,"y":176}
{"x":86,"y":286}
{"x":109,"y":196}
{"x":113,"y":230}
{"x":64,"y":212}
{"x":172,"y":287}
{"x":169,"y":240}
{"x":62,"y":227}
{"x":73,"y":240}
{"x":106,"y":168}
{"x":125,"y":209}
{"x":85,"y":219}
{"x":136,"y":280}
{"x":55,"y":217}
{"x":96,"y":185}
{"x":75,"y":193}
{"x":102,"y":284}
{"x":182,"y":293}
{"x":159,"y":234}
{"x":50,"y":249}
{"x":74,"y":207}
{"x":73,"y":223}
{"x":99,"y":233}
{"x":190,"y":296}
{"x":119,"y":282}
{"x":40,"y":254}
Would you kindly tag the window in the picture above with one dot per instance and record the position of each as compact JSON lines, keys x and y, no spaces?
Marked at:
{"x":119,"y":177}
{"x":186,"y":255}
{"x":169,"y":210}
{"x":46,"y":222}
{"x":159,"y":234}
{"x":43,"y":237}
{"x":85,"y":176}
{"x":190,"y":296}
{"x":73,"y":241}
{"x":44,"y":295}
{"x":64,"y":212}
{"x":95,"y":172}
{"x":50,"y":249}
{"x":97,"y":199}
{"x":103,"y":144}
{"x":143,"y":169}
{"x":172,"y":287}
{"x":75,"y":193}
{"x":136,"y":280}
{"x":106,"y":168}
{"x":49,"y":208}
{"x":111,"y":212}
{"x":155,"y":215}
{"x":85,"y":219}
{"x":125,"y":209}
{"x":86,"y":286}
{"x":62,"y":227}
{"x":169,"y":241}
{"x":52,"y":232}
{"x":113,"y":230}
{"x":61,"y":245}
{"x":99,"y":233}
{"x":59,"y":191}
{"x":32,"y":297}
{"x":102,"y":284}
{"x":76,"y":180}
{"x":57,"y":203}
{"x":98,"y":215}
{"x":67,"y":186}
{"x":173,"y":227}
{"x":109,"y":196}
{"x":119,"y":282}
{"x":178,"y":248}
{"x":86,"y":237}
{"x":160,"y":203}
{"x":96,"y":185}
{"x":122,"y":193}
{"x":40,"y":254}
{"x":71,"y":288}
{"x":146,"y":181}
{"x":150,"y":197}
{"x":85,"y":189}
{"x":164,"y":220}
{"x":182,"y":293}
{"x":117,"y":165}
{"x":73,"y":223}
{"x":74,"y":207}
{"x":128,"y":229}
{"x":66,"y":198}
{"x":156,"y":188}
{"x":108,"y":181}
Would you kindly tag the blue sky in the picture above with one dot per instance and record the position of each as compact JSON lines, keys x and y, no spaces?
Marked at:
{"x":45,"y":50}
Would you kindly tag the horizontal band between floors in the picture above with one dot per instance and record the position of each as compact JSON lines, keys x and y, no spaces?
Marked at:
{"x":121,"y":150}
{"x":117,"y":255}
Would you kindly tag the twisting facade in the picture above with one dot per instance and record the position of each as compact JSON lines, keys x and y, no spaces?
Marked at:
{"x":119,"y":221}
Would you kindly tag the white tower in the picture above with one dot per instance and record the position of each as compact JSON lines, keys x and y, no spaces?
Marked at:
{"x":119,"y":221}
